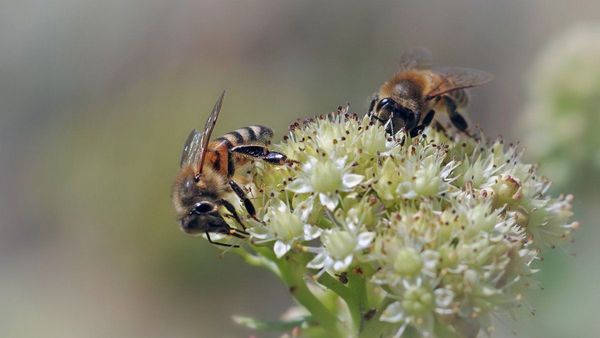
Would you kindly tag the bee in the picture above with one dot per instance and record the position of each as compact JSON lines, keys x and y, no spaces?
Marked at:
{"x":206,"y":174}
{"x":411,"y":99}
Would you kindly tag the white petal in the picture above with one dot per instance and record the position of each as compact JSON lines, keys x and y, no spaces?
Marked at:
{"x":459,"y":269}
{"x":300,"y":186}
{"x":394,"y":313}
{"x":365,"y":239}
{"x":447,"y":169}
{"x":280,"y":206}
{"x":262,"y":236}
{"x":340,"y":162}
{"x":431,"y":259}
{"x":410,"y":195}
{"x":311,"y":232}
{"x":329,"y":202}
{"x":281,"y":248}
{"x":318,"y":262}
{"x":342,"y":265}
{"x":314,"y":250}
{"x":406,"y":190}
{"x":351,"y":180}
{"x":304,"y":208}
{"x":308,"y":165}
{"x":443,"y":297}
{"x":352,"y":226}
{"x":401,"y":330}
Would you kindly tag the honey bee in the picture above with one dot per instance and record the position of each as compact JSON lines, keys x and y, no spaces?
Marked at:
{"x":411,"y":99}
{"x":206,"y":175}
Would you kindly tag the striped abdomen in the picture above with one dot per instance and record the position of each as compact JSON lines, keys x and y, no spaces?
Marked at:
{"x":219,"y":156}
{"x":246,"y":135}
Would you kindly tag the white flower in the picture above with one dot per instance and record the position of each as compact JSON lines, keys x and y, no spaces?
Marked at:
{"x":339,"y":248}
{"x":417,"y":307}
{"x":327,"y":178}
{"x":286,"y":227}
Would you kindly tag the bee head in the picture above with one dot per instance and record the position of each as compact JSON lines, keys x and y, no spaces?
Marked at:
{"x":203,"y":216}
{"x":396,"y":116}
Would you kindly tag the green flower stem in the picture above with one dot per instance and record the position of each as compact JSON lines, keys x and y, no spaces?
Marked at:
{"x":354,"y":295}
{"x":374,"y":327}
{"x":357,"y":284}
{"x":292,"y":274}
{"x":348,"y":295}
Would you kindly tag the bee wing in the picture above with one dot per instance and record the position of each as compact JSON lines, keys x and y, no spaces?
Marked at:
{"x":190,"y":149}
{"x":453,"y":78}
{"x":416,"y":58}
{"x":208,"y":128}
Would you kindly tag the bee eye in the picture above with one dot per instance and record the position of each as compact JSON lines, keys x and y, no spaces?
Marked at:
{"x":203,"y":207}
{"x":385,"y":104}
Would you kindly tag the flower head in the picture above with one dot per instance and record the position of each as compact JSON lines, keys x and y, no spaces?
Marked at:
{"x":433,"y":233}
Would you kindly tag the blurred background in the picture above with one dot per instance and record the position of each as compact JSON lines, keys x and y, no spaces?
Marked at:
{"x":97,"y":97}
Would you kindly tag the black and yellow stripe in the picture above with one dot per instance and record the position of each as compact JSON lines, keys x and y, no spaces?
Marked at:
{"x":246,"y":135}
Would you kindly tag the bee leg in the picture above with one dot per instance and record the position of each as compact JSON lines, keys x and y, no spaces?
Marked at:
{"x":237,"y":233}
{"x":242,"y":195}
{"x":232,"y":211}
{"x":417,"y":130}
{"x":375,"y":117}
{"x":263,"y":153}
{"x":457,"y":120}
{"x":426,"y":122}
{"x":218,"y":243}
{"x":372,"y":106}
{"x":428,"y":118}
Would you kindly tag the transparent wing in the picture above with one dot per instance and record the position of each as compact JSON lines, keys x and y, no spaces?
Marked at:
{"x":453,"y":78}
{"x":416,"y":58}
{"x":208,"y":128}
{"x":190,"y":149}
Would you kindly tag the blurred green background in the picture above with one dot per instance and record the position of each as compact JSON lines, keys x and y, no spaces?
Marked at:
{"x":97,"y":98}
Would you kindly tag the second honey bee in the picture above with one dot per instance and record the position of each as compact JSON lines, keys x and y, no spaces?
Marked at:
{"x":418,"y":91}
{"x":206,"y":174}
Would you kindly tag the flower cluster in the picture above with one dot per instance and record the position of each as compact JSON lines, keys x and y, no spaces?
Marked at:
{"x":410,"y":237}
{"x":563,"y":114}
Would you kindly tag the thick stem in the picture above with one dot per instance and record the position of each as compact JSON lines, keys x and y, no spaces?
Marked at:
{"x":292,"y":274}
{"x":375,"y":327}
{"x":356,"y":283}
{"x":347,"y":295}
